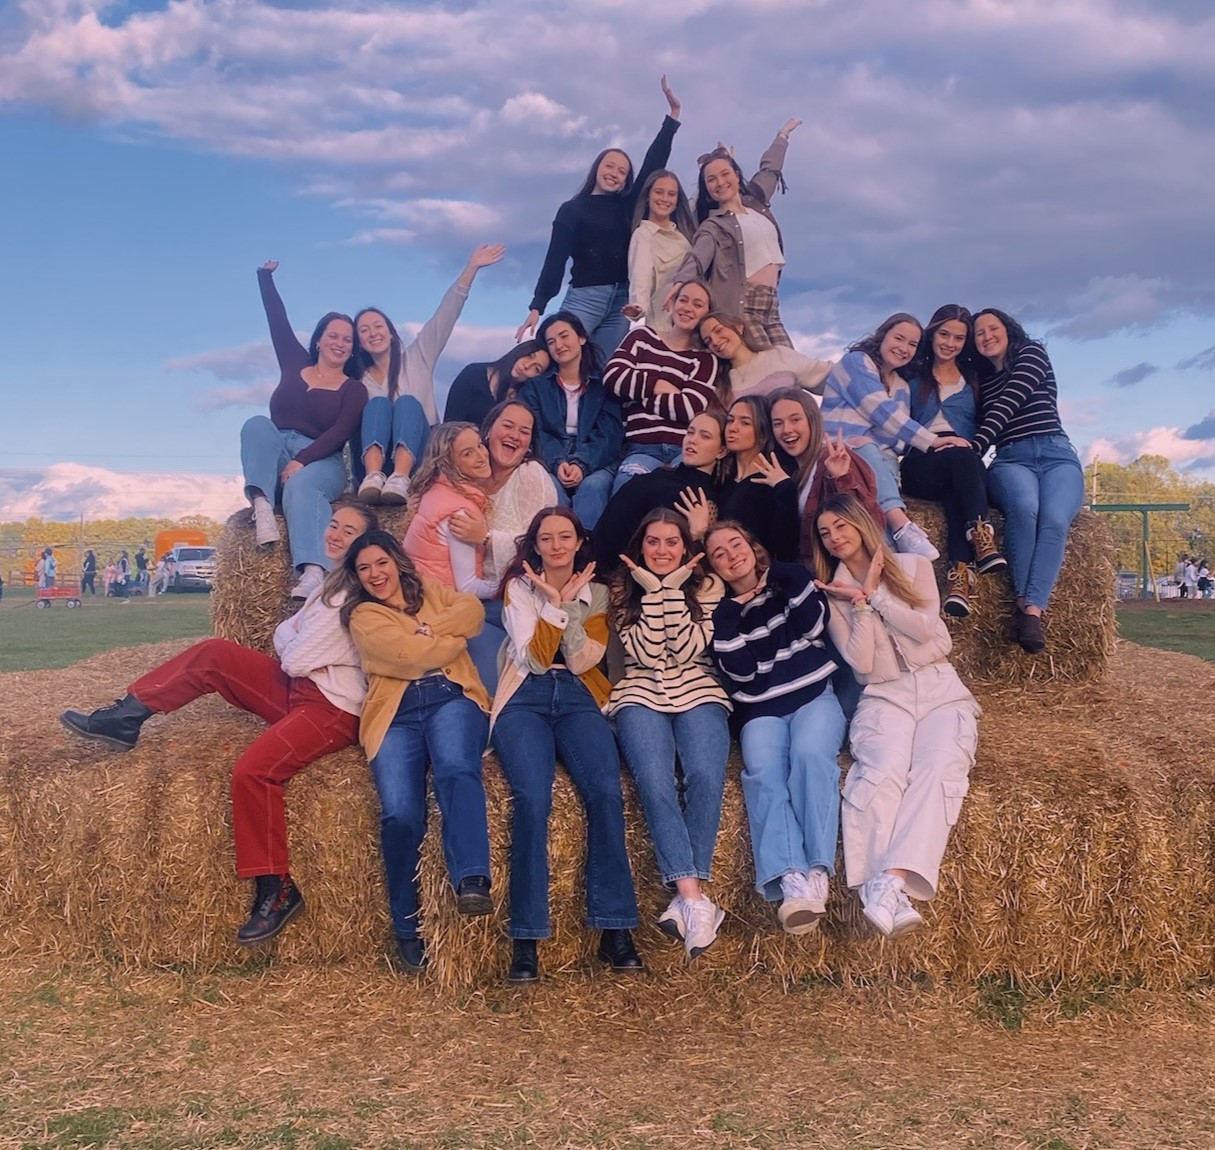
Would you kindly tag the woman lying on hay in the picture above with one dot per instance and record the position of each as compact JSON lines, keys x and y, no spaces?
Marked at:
{"x":914,"y":734}
{"x":311,"y":695}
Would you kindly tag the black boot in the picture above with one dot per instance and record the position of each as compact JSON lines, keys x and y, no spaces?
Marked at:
{"x":617,"y":950}
{"x":118,"y":724}
{"x":524,"y":963}
{"x":473,"y":897}
{"x":276,"y":901}
{"x":412,"y":953}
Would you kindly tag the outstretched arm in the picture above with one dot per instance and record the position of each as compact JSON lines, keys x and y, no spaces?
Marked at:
{"x":291,"y":354}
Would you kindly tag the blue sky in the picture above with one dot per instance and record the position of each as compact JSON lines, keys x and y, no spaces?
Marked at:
{"x":1052,"y":158}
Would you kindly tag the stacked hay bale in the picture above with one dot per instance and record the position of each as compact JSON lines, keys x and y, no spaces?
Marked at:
{"x":1077,"y":850}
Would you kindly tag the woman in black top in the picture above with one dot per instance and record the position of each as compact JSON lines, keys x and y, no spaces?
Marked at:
{"x":758,"y":489}
{"x":593,"y":230}
{"x":481,"y":386}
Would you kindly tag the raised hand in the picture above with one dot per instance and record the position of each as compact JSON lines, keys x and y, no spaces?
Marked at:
{"x":836,"y":460}
{"x":642,"y":576}
{"x":270,"y":266}
{"x":485,"y":254}
{"x":788,"y":127}
{"x":528,"y":327}
{"x":694,"y":506}
{"x":873,"y":577}
{"x":680,"y":575}
{"x":546,"y":589}
{"x":848,"y":592}
{"x":766,"y":469}
{"x":672,"y":99}
{"x":576,"y":582}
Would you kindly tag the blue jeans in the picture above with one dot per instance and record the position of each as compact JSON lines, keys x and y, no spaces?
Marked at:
{"x":598,"y":306}
{"x":683,"y":832}
{"x":435,"y":722}
{"x":264,"y":452}
{"x":388,"y":425}
{"x":642,"y":458}
{"x":885,"y":466}
{"x":550,"y":714}
{"x":590,"y":496}
{"x":791,"y":787}
{"x":1039,"y":485}
{"x":485,"y":645}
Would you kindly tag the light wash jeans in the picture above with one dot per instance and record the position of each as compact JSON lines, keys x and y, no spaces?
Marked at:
{"x":683,"y":827}
{"x":1039,"y":485}
{"x":885,"y":465}
{"x":598,"y":306}
{"x":590,"y":496}
{"x":642,"y":458}
{"x":386,"y":425}
{"x":306,"y":497}
{"x":436,"y":724}
{"x":791,"y":787}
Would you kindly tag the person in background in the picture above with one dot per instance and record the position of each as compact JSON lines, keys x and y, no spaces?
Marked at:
{"x":108,"y":577}
{"x":400,"y":383}
{"x":88,"y":574}
{"x":314,"y":410}
{"x":40,"y":569}
{"x":141,"y":571}
{"x":662,"y":236}
{"x":122,"y":578}
{"x":482,"y":386}
{"x":51,"y":569}
{"x":311,"y":697}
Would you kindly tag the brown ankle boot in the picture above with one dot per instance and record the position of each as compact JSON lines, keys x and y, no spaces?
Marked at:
{"x":959,"y":580}
{"x":982,"y":537}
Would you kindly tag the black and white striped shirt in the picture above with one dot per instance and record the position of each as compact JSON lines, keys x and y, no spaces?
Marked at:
{"x":1020,"y":401}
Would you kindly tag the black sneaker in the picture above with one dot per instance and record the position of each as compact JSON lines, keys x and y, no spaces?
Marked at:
{"x":276,"y":901}
{"x":118,"y":724}
{"x":412,"y":953}
{"x":524,"y":963}
{"x":472,"y":896}
{"x":617,"y":950}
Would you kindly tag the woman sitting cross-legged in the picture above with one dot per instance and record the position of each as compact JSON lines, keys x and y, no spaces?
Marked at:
{"x":549,"y":702}
{"x":314,"y":410}
{"x":770,"y":645}
{"x":672,"y":714}
{"x":914,"y":734}
{"x":311,"y":696}
{"x":425,"y":707}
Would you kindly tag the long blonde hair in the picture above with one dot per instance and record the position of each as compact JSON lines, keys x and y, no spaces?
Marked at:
{"x":852,"y":511}
{"x":439,"y":462}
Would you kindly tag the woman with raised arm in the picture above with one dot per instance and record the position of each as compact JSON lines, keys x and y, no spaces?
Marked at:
{"x":314,"y":410}
{"x":311,"y":696}
{"x":579,"y":426}
{"x":672,"y":714}
{"x":945,"y":399}
{"x":1036,"y":478}
{"x":663,"y":227}
{"x":737,"y":248}
{"x":400,"y":384}
{"x":481,"y":386}
{"x":770,"y":645}
{"x":592,"y":232}
{"x":425,"y":708}
{"x":915,"y":730}
{"x":662,"y":382}
{"x":755,"y":371}
{"x":550,"y":702}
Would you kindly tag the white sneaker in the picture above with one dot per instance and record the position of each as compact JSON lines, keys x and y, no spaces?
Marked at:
{"x":395,"y":490}
{"x":880,"y":897}
{"x":797,"y":913}
{"x":911,"y":540}
{"x":817,"y":885}
{"x":310,"y":581}
{"x":370,"y":488}
{"x":906,"y":917}
{"x":671,"y":921}
{"x":702,"y":920}
{"x":265,"y":526}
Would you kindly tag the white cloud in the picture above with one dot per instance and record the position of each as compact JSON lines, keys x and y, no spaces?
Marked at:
{"x":66,"y":491}
{"x":1184,"y":454}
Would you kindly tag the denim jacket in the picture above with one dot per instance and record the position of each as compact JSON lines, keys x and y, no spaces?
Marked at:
{"x":961,"y":409}
{"x":600,"y":435}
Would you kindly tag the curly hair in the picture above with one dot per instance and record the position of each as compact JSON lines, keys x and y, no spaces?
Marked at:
{"x":439,"y":463}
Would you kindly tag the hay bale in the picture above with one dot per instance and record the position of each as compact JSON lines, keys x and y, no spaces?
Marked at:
{"x":1084,"y":851}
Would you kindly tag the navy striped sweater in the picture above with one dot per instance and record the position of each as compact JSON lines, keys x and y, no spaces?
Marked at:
{"x":1020,"y":401}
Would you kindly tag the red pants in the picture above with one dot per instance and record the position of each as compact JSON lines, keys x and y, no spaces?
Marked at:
{"x":304,"y":726}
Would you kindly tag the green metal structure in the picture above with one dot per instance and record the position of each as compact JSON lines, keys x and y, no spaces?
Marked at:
{"x":1147,"y":585}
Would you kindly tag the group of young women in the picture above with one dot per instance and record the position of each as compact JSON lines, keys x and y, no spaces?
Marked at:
{"x":722,"y":512}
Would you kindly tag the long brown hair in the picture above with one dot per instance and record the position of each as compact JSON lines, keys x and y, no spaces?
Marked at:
{"x":352,"y":585}
{"x":681,"y":217}
{"x":814,"y":417}
{"x":852,"y":511}
{"x":525,"y":549}
{"x":923,"y":366}
{"x":624,"y":592}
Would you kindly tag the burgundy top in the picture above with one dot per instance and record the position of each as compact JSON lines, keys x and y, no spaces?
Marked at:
{"x":328,"y":418}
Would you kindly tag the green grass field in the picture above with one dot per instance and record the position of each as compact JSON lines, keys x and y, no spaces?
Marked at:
{"x":1174,"y":625}
{"x":32,"y":639}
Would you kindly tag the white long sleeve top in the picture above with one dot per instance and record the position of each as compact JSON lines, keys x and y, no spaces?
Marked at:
{"x":314,"y":645}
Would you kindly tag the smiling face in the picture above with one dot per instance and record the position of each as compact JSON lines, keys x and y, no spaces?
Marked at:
{"x":690,"y":307}
{"x":721,"y":180}
{"x":991,"y":339}
{"x":663,"y":198}
{"x":612,"y":173}
{"x":791,"y":427}
{"x":898,"y":346}
{"x":374,"y":336}
{"x":702,"y":443}
{"x":564,"y":344}
{"x":662,"y":548}
{"x":529,"y":366}
{"x":740,"y":429}
{"x":840,"y":538}
{"x":379,"y":575}
{"x":948,"y":341}
{"x":510,"y":437}
{"x":720,"y":339}
{"x":344,"y":528}
{"x":470,"y":455}
{"x":732,"y":558}
{"x":336,"y":342}
{"x":556,"y":542}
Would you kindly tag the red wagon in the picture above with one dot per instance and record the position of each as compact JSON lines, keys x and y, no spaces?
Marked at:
{"x":68,"y":594}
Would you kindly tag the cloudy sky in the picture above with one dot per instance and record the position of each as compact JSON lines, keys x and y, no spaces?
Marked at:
{"x":1052,"y":157}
